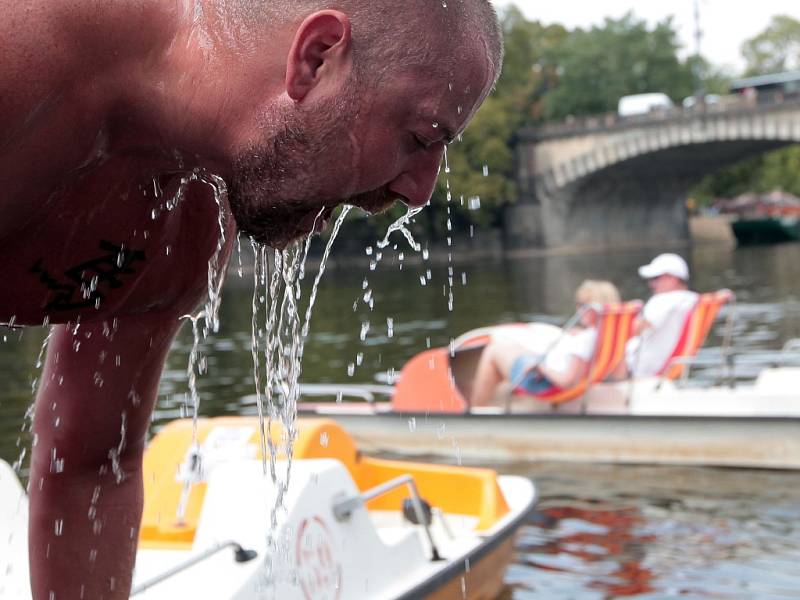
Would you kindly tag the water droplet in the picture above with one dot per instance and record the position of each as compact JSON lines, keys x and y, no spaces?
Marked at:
{"x":389,"y":327}
{"x":485,"y":170}
{"x":59,"y":527}
{"x":412,"y":424}
{"x":323,"y":439}
{"x":351,"y":368}
{"x":435,"y":124}
{"x":474,"y":202}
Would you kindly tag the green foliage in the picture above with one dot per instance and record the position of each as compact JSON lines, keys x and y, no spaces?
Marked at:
{"x":775,"y":49}
{"x":712,"y":79}
{"x":621,"y":57}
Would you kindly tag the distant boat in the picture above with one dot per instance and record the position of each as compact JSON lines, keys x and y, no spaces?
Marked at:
{"x":766,"y":230}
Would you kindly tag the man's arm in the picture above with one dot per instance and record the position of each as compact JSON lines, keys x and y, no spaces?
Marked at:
{"x":93,"y":409}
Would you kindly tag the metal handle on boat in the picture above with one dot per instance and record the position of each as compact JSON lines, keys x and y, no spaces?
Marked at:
{"x":365,"y":392}
{"x":343,"y":509}
{"x":241,"y":555}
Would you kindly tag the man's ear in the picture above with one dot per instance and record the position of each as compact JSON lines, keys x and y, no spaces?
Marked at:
{"x":321,"y":48}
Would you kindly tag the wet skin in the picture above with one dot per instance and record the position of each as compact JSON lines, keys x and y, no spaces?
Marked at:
{"x":147,"y":273}
{"x":75,"y":175}
{"x":88,"y":126}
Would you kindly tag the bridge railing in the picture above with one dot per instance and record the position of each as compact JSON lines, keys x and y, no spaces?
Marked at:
{"x":732,"y":105}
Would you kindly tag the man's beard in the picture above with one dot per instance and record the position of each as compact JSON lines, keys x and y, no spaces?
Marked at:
{"x":275,"y":192}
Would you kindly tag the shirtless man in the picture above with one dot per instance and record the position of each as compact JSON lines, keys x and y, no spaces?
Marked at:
{"x":105,"y":106}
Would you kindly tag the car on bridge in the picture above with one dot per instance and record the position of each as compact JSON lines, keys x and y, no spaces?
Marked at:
{"x":643,"y":104}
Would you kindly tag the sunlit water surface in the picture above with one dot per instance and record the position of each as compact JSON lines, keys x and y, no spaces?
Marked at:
{"x":601,"y":531}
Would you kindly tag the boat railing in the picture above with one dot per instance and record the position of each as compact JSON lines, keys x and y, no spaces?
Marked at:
{"x":343,"y":508}
{"x":240,"y":555}
{"x":366,"y":391}
{"x":792,"y":345}
{"x":729,"y":362}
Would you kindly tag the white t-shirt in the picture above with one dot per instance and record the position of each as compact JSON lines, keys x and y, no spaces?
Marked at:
{"x":666,"y":313}
{"x":579,"y":344}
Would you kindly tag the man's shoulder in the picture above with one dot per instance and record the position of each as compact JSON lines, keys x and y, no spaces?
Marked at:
{"x":658,"y":308}
{"x":673,"y":298}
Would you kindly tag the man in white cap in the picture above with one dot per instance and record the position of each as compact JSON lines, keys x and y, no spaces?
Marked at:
{"x":659,"y":326}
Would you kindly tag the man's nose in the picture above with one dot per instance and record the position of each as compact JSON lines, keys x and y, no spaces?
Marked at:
{"x":417,"y":181}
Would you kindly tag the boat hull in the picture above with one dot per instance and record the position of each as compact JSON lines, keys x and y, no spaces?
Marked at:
{"x":768,"y":230}
{"x":478,"y":579}
{"x":757,"y":442}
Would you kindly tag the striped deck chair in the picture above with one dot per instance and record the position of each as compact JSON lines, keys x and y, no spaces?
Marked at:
{"x":695,"y":330}
{"x":614,"y":330}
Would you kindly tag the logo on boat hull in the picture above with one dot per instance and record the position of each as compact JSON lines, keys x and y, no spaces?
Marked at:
{"x":318,"y":571}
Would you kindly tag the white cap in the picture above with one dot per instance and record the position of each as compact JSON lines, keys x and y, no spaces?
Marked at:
{"x":665,"y":264}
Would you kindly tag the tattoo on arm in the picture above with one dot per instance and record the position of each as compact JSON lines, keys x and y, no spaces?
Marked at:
{"x":86,"y":285}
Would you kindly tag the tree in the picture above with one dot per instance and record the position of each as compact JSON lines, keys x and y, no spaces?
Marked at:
{"x":598,"y":66}
{"x":775,"y":49}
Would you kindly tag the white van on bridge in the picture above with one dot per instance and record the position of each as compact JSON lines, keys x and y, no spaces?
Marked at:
{"x":642,"y":104}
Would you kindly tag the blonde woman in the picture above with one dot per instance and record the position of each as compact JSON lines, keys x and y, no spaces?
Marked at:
{"x":538,"y":365}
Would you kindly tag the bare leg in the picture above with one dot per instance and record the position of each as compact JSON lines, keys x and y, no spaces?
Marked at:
{"x":493,"y":367}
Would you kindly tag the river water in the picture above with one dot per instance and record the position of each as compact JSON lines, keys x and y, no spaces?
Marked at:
{"x":601,"y":531}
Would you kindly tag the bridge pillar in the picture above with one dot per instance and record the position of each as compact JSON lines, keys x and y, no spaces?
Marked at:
{"x":606,"y":181}
{"x":523,"y":226}
{"x":602,"y":210}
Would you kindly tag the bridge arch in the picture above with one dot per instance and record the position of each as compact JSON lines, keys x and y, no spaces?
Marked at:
{"x":606,"y":180}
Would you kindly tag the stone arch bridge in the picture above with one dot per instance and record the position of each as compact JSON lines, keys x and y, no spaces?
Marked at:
{"x":613,"y":181}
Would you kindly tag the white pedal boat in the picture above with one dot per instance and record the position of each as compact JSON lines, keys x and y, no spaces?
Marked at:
{"x":207,"y":529}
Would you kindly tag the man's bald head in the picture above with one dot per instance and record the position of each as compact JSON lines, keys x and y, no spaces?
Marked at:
{"x":388,"y":34}
{"x":360,"y":98}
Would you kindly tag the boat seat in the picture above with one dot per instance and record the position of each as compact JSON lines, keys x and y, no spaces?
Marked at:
{"x":221,"y":439}
{"x":695,"y":330}
{"x":434,"y":380}
{"x":613,"y":332}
